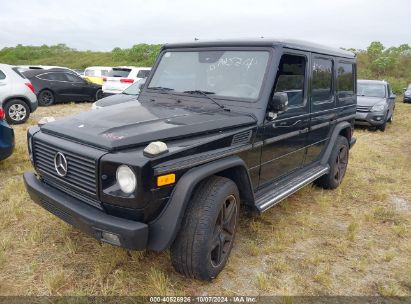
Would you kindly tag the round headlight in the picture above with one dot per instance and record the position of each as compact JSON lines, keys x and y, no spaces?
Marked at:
{"x":126,"y":179}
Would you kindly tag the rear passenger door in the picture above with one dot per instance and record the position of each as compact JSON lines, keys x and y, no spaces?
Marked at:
{"x":284,"y":143}
{"x":322,"y":105}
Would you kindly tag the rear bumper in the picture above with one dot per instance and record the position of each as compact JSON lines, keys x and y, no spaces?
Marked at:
{"x":131,"y":234}
{"x":369,"y":118}
{"x":6,"y":140}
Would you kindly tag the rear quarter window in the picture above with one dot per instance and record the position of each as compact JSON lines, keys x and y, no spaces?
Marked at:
{"x":2,"y":75}
{"x":345,"y":83}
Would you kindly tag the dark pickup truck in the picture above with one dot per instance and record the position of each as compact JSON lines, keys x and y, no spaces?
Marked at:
{"x":219,"y":126}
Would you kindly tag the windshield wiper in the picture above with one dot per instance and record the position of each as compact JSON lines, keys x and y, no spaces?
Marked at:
{"x":163,"y":89}
{"x":207,"y":94}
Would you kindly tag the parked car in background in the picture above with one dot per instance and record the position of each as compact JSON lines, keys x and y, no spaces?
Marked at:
{"x":96,"y":74}
{"x":24,"y":68}
{"x":6,"y":137}
{"x":375,"y":103}
{"x":407,"y":94}
{"x":119,"y":78}
{"x":17,"y":95}
{"x":131,"y":93}
{"x":56,"y":85}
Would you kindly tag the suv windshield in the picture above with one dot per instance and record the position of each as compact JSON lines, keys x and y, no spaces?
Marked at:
{"x":232,"y":74}
{"x":371,"y":89}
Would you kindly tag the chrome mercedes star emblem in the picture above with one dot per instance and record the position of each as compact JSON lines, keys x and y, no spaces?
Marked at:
{"x":60,"y":164}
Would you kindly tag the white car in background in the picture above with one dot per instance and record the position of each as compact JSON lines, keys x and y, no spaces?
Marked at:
{"x":17,"y":96}
{"x":119,"y":78}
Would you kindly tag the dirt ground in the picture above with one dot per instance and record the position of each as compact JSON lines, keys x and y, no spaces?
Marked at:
{"x":355,"y":240}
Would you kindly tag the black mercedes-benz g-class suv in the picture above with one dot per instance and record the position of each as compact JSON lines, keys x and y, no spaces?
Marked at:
{"x":219,"y":126}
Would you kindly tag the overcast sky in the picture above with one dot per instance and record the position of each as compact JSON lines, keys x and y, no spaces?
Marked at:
{"x":105,"y":24}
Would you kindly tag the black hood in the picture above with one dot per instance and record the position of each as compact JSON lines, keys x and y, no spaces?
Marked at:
{"x":133,"y":124}
{"x":115,"y":99}
{"x":366,"y":101}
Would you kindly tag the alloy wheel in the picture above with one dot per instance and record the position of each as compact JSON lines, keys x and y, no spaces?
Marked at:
{"x":341,"y":164}
{"x":224,"y":231}
{"x":17,"y":112}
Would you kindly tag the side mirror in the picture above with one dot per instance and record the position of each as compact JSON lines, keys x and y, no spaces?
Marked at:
{"x":404,"y":89}
{"x":279,"y":102}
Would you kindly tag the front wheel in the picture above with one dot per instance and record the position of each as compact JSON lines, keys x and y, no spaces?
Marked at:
{"x":338,"y":163}
{"x":206,"y":236}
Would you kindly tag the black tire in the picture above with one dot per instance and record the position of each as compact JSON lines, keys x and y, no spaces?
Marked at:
{"x":206,"y":236}
{"x":17,"y":112}
{"x":46,"y":98}
{"x":98,"y":95}
{"x":391,"y":119}
{"x":338,"y":165}
{"x":383,"y":126}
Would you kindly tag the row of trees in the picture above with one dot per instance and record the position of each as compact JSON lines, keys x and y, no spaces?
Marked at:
{"x":376,"y":62}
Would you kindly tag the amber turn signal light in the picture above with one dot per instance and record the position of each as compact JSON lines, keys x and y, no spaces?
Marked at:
{"x":167,"y":179}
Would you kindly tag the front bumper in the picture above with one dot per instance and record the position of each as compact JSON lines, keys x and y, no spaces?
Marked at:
{"x":131,"y":234}
{"x":369,"y":118}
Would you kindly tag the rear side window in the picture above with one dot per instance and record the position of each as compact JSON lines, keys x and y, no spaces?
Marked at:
{"x":53,"y":77}
{"x":104,"y":72}
{"x":143,"y":73}
{"x":119,"y":72}
{"x":322,"y":80}
{"x":345,"y":80}
{"x":72,"y":78}
{"x":2,"y":75}
{"x":291,"y":79}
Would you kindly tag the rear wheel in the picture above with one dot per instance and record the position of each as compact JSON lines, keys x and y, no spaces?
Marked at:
{"x":46,"y":98}
{"x":338,"y":165}
{"x":98,"y":95}
{"x":206,"y":236}
{"x":17,"y":111}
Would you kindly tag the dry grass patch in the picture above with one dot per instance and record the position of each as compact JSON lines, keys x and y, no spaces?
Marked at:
{"x":354,"y":240}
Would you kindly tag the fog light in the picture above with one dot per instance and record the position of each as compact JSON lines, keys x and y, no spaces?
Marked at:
{"x":110,"y":238}
{"x":378,"y":118}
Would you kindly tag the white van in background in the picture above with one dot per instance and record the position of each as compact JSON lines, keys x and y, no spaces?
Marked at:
{"x":95,"y":74}
{"x":119,"y":78}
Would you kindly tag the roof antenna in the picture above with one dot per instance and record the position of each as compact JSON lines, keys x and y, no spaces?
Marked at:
{"x":196,"y":39}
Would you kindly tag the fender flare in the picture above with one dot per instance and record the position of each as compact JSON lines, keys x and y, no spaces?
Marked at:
{"x":164,"y":229}
{"x":337,"y":130}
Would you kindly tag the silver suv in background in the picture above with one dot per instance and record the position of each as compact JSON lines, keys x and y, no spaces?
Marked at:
{"x":375,"y":103}
{"x":17,"y":96}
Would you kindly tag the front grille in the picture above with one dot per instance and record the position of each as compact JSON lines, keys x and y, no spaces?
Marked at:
{"x":81,"y":170}
{"x":92,"y":202}
{"x":363,"y":108}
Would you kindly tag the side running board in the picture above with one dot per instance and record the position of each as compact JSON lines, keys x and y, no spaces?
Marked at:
{"x":283,"y":189}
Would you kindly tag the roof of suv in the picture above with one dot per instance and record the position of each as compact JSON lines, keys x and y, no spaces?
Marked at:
{"x":267,"y":42}
{"x":372,"y":81}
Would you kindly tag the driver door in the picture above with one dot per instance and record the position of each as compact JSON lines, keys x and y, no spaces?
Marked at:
{"x":284,"y":145}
